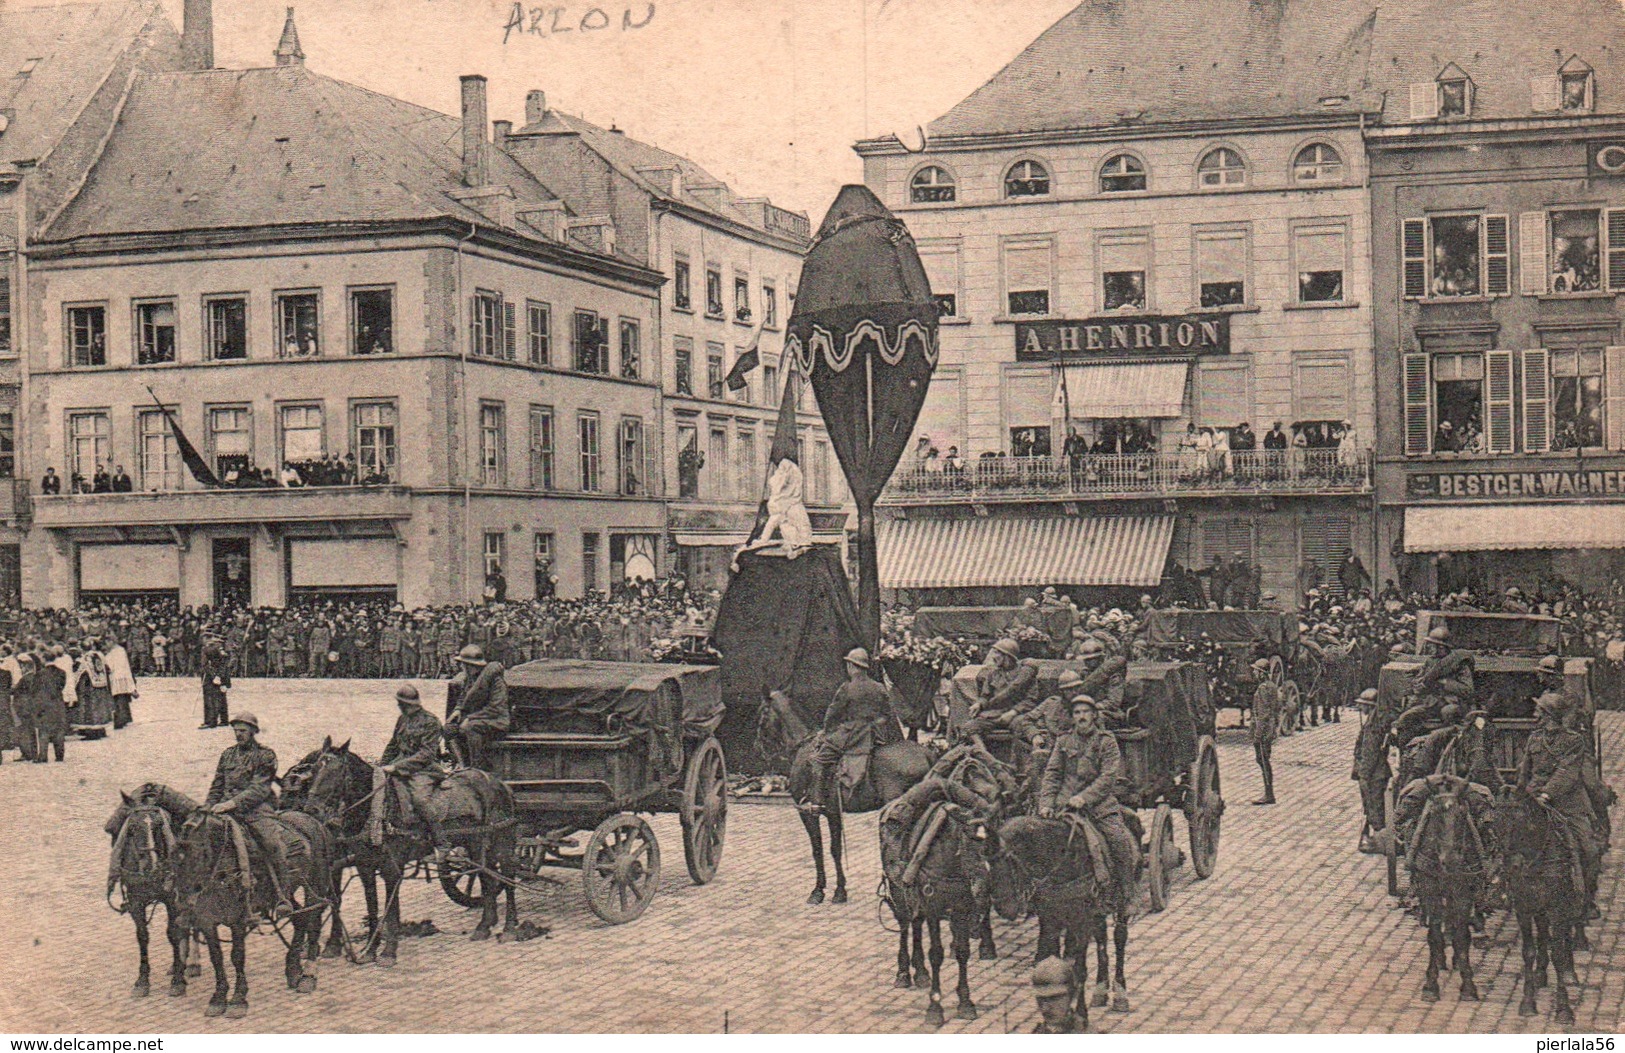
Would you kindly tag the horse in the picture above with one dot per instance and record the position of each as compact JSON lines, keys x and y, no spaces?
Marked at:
{"x":216,"y":887}
{"x":1542,"y":876}
{"x":1449,"y":864}
{"x":341,"y":791}
{"x":1036,"y":869}
{"x":143,"y":833}
{"x":893,"y":768}
{"x":295,"y":796}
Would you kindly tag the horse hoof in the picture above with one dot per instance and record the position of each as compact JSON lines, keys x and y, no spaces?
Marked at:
{"x":922,"y":980}
{"x":332,"y":950}
{"x":307,"y":985}
{"x":1469,"y":992}
{"x":214,"y":1009}
{"x":839,"y":897}
{"x":366,"y":958}
{"x":1101,"y":999}
{"x":934,"y":1016}
{"x":987,"y":952}
{"x":194,"y":970}
{"x":1564,"y":1016}
{"x":1567,"y":976}
{"x":902,"y":983}
{"x":966,"y":1011}
{"x":1527,"y":1009}
{"x":140,"y":990}
{"x":816,"y":896}
{"x":1119,"y":1003}
{"x":1429,"y":996}
{"x":236,"y":1012}
{"x":386,"y":962}
{"x":177,"y":989}
{"x":479,"y":935}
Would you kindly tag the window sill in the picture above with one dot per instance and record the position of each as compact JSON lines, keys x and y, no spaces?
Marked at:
{"x":1596,"y":294}
{"x":1322,"y":305}
{"x":1234,"y":308}
{"x":1430,"y":300}
{"x":1016,"y":319}
{"x":682,"y":309}
{"x":718,"y":317}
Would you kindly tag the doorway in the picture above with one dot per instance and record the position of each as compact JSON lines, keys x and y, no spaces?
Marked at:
{"x":231,"y":577}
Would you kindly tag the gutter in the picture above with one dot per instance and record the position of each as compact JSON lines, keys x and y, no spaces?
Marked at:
{"x":461,"y":340}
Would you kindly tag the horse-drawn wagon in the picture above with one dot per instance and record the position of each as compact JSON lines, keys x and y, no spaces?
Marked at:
{"x":1241,"y":637}
{"x":594,"y":744}
{"x":1170,"y":762}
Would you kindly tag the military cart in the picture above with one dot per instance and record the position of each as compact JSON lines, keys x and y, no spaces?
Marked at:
{"x":1170,"y":762}
{"x":593,"y":748}
{"x":1242,"y":637}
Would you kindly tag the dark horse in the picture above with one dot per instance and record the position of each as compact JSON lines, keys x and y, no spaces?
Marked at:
{"x":143,"y":830}
{"x":1039,"y":869}
{"x":1449,"y":863}
{"x":340,"y":791}
{"x":1543,"y":879}
{"x":216,"y":887}
{"x":892,"y":770}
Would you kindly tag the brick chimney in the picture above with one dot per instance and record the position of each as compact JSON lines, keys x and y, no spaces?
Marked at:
{"x":535,"y":107}
{"x":500,"y":130}
{"x":475,"y":168}
{"x":197,"y":34}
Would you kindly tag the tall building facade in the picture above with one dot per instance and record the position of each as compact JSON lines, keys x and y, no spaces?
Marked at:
{"x":731,"y":265}
{"x":1498,"y":240}
{"x":1149,"y":245}
{"x":328,"y":286}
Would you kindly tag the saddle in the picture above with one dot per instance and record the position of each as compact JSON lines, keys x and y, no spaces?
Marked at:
{"x":1094,"y":846}
{"x":456,"y":800}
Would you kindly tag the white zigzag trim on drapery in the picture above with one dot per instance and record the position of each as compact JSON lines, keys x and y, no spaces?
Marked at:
{"x":891,"y":351}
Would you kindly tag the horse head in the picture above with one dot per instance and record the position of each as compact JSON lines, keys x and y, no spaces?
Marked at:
{"x":1450,"y":838}
{"x":1020,"y":853}
{"x":296,"y":781}
{"x":339,"y":782}
{"x":204,"y":858}
{"x":145,"y":841}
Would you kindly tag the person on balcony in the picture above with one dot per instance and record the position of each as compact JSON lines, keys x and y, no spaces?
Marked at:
{"x":122,"y":483}
{"x":101,"y":482}
{"x":1349,"y":454}
{"x":50,"y":483}
{"x":1191,"y":461}
{"x":1204,"y":450}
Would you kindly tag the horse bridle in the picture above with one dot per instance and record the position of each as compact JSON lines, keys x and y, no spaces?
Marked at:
{"x":149,"y":859}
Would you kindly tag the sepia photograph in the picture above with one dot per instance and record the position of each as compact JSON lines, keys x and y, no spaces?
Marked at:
{"x":805,"y":517}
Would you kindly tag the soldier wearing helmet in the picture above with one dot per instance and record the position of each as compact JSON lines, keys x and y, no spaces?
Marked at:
{"x":1004,"y":690}
{"x":1105,"y":680}
{"x":244,"y":788}
{"x":1037,"y":729}
{"x":1553,"y":771}
{"x":412,"y":762}
{"x":858,"y":719}
{"x":478,"y":702}
{"x":1266,"y":724}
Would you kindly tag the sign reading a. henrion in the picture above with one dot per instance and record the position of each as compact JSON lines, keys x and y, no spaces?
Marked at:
{"x":1118,"y":336}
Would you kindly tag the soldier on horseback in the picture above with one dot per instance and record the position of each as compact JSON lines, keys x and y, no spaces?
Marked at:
{"x":243,"y":789}
{"x":1552,"y":771}
{"x":859,"y":718}
{"x":1038,"y":729}
{"x":479,"y":713}
{"x":1446,"y":678}
{"x":412,"y":763}
{"x":1080,"y":781}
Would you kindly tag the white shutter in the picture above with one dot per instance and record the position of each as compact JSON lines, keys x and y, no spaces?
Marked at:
{"x":1418,"y":405}
{"x":1614,"y":224}
{"x":1124,"y":253}
{"x":510,"y":331}
{"x":1323,"y":390}
{"x":1224,"y":399}
{"x":1498,"y":384}
{"x":1414,"y":251}
{"x":1221,"y":256}
{"x":1545,"y":93}
{"x":1532,"y":253}
{"x":1424,"y":100}
{"x":1537,"y":401}
{"x":1497,"y":264}
{"x":1613,"y":413}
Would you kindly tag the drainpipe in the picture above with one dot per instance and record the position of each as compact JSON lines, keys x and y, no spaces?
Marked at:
{"x":462,"y":379}
{"x":1375,"y":563}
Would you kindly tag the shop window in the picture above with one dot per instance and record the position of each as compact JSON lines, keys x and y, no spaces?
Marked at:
{"x":1026,"y":179}
{"x":155,"y":332}
{"x":1576,"y":398}
{"x":931,"y":185}
{"x":682,"y":295}
{"x":1458,"y":401}
{"x":1221,"y":268}
{"x":372,"y":321}
{"x":541,"y":447}
{"x":1030,"y":442}
{"x":1121,"y":174}
{"x":1317,"y":163}
{"x":298,"y":325}
{"x":227,"y":319}
{"x":87,"y":335}
{"x":587,"y":442}
{"x":1576,"y":257}
{"x":1221,"y":167}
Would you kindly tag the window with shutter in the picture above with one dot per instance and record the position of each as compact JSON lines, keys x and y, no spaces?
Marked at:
{"x":1124,"y":271}
{"x":1497,"y":262}
{"x":942,"y":271}
{"x":1415,"y":256}
{"x":1499,"y":382}
{"x":5,"y":315}
{"x":1322,"y":390}
{"x":1532,"y":253}
{"x":1323,"y":539}
{"x":1223,"y":538}
{"x":1027,"y":277}
{"x":1424,"y":100}
{"x":1615,"y":222}
{"x":1545,"y":93}
{"x":1537,"y":383}
{"x":1613,"y":413}
{"x":1221,"y":268}
{"x":1418,"y":407}
{"x":1319,"y":252}
{"x":510,"y":331}
{"x":1223,"y":397}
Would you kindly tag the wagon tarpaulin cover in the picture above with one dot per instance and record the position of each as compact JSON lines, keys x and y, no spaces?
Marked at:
{"x":1278,"y":629}
{"x":627,"y":690}
{"x":975,"y":623}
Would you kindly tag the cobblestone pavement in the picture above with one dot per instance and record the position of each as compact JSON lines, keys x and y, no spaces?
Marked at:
{"x":1294,"y":932}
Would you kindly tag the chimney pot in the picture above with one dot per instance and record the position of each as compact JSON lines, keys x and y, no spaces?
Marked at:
{"x":475,"y":122}
{"x":535,"y":106}
{"x":197,"y":34}
{"x":500,"y":130}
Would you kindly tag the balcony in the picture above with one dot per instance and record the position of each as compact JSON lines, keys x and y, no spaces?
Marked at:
{"x":14,"y":502}
{"x":1150,"y":475}
{"x":187,"y":508}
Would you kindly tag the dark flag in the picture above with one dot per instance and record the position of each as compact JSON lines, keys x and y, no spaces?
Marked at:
{"x":748,"y":360}
{"x":194,"y":461}
{"x":784,"y":433}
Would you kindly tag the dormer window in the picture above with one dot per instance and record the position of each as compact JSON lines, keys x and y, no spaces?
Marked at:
{"x":1450,"y":94}
{"x":1026,"y":179}
{"x":931,"y":185}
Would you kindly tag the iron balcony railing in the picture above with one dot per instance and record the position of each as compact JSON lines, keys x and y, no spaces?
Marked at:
{"x":1134,"y":475}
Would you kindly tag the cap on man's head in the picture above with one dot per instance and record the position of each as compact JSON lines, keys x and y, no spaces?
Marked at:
{"x":1008,"y":647}
{"x":1052,"y":978}
{"x":408,"y":693}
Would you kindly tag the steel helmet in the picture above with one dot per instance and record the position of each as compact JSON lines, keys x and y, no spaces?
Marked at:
{"x":1439,"y":634}
{"x":248,"y":720}
{"x":1052,"y":978}
{"x":1551,"y":664}
{"x":471,"y":655}
{"x":1368,"y":695}
{"x":858,"y":657}
{"x":408,"y":693}
{"x":1091,"y":648}
{"x":1008,"y":647}
{"x":1067,"y":680}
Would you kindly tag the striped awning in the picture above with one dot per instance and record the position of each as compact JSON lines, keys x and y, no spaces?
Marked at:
{"x":1055,"y":550}
{"x":1121,"y":389}
{"x":1495,"y":528}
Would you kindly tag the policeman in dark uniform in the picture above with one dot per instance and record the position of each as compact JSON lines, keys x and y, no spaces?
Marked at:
{"x":216,"y":673}
{"x":1371,"y":768}
{"x":412,"y":761}
{"x":858,"y":719}
{"x":244,"y":789}
{"x":480,"y":714}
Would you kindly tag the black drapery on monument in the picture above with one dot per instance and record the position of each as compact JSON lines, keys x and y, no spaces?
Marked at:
{"x":865,"y":332}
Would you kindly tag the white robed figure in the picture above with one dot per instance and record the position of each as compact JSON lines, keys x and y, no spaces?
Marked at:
{"x":782,"y":519}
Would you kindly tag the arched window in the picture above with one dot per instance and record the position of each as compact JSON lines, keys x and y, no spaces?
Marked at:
{"x":1221,"y":166}
{"x":1026,"y":179}
{"x":931,"y":184}
{"x":1120,"y":173}
{"x":1317,"y":163}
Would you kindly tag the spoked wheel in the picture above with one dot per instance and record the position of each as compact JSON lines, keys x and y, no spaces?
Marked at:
{"x":1163,"y":857}
{"x":1204,"y":807}
{"x":705,"y":811}
{"x":621,"y":868}
{"x":1391,"y":842}
{"x":462,"y":887}
{"x":1291,"y":703}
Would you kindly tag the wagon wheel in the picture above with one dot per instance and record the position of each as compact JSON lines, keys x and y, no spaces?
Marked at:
{"x":1162,"y":857}
{"x":621,"y":868}
{"x":1391,"y":842}
{"x":462,"y":887}
{"x":1291,"y":701}
{"x":1277,"y":672}
{"x":1204,"y":807}
{"x":705,"y":810}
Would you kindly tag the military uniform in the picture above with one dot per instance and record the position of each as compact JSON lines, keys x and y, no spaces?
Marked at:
{"x":1106,"y":684}
{"x":855,"y":723}
{"x":389,"y":650}
{"x":1371,"y":768}
{"x":1081,"y":777}
{"x":216,"y":666}
{"x":244,"y":776}
{"x":1553,"y":764}
{"x":482,"y":713}
{"x":1002,"y":691}
{"x":414,"y":753}
{"x":1266,"y":725}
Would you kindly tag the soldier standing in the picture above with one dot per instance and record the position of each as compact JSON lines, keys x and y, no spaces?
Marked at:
{"x":216,"y":675}
{"x":1371,"y":768}
{"x":1266,"y":726}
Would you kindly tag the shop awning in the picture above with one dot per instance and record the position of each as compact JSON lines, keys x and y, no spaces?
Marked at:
{"x":1498,"y":527}
{"x":966,"y":553}
{"x":1121,"y":389}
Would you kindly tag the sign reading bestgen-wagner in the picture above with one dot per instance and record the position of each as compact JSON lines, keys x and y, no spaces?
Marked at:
{"x":1493,"y":485}
{"x":1118,"y":336}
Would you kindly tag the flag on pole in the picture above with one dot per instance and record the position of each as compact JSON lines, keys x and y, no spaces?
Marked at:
{"x":748,"y":360}
{"x":784,"y":433}
{"x":194,"y":461}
